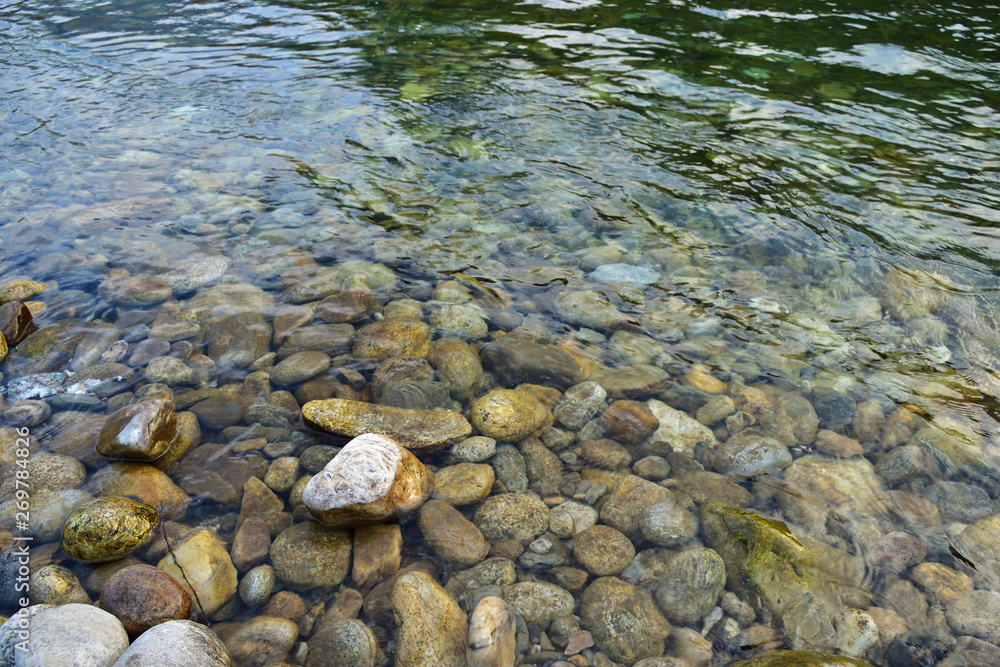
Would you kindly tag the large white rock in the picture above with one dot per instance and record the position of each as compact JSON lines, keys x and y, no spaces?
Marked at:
{"x":677,"y":428}
{"x":372,"y":479}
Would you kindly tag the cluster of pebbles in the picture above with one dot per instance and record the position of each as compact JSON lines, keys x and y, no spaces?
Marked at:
{"x":339,"y":475}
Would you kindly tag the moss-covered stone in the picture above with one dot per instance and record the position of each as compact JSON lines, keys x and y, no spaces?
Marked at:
{"x":107,"y":529}
{"x":763,"y":556}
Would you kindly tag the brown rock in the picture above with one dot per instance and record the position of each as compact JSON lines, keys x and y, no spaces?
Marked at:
{"x":463,"y":483}
{"x":15,"y":322}
{"x":308,"y":556}
{"x":414,"y":429}
{"x":250,"y":544}
{"x":623,"y":508}
{"x":377,"y":553}
{"x":605,"y":453}
{"x":142,"y":596}
{"x":145,"y":482}
{"x":139,"y":432}
{"x":630,"y":422}
{"x":393,"y":338}
{"x":285,"y":604}
{"x":940,"y":582}
{"x":351,"y":305}
{"x":451,"y":536}
{"x":834,"y":444}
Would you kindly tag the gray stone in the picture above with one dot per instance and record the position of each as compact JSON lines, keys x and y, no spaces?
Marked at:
{"x":73,"y":635}
{"x":176,"y":644}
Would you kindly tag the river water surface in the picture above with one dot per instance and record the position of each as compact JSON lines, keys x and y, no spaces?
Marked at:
{"x":802,"y":196}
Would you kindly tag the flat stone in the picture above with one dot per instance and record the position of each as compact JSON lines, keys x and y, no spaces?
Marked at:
{"x":431,"y":629}
{"x":415,"y":429}
{"x":516,"y":360}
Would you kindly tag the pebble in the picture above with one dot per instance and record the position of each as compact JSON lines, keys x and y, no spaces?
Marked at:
{"x":431,"y":629}
{"x":297,"y":368}
{"x":474,"y":450}
{"x":463,"y":484}
{"x":56,"y":585}
{"x":308,"y":555}
{"x":516,"y":359}
{"x":393,"y":338}
{"x":623,"y":509}
{"x":515,"y":516}
{"x":492,"y":638}
{"x":579,"y":404}
{"x":509,"y":415}
{"x":256,"y":586}
{"x":605,"y":453}
{"x":940,"y":582}
{"x":653,"y":468}
{"x":571,"y":518}
{"x":107,"y":529}
{"x":538,"y":602}
{"x":748,"y":454}
{"x":142,"y":431}
{"x":73,"y":635}
{"x":976,"y":613}
{"x":451,"y":536}
{"x":262,"y":640}
{"x":419,"y":430}
{"x":691,"y":586}
{"x":349,"y":643}
{"x":960,"y":501}
{"x":177,"y":643}
{"x":26,"y":413}
{"x":667,"y":524}
{"x":623,"y":620}
{"x":371,"y":479}
{"x":377,"y":553}
{"x":834,"y":444}
{"x":142,"y":596}
{"x":681,"y":431}
{"x":602,"y":550}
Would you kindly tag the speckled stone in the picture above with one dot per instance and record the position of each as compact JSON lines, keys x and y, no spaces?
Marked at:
{"x":492,"y":634}
{"x":516,"y":516}
{"x":629,"y":422}
{"x":377,"y":553}
{"x":602,"y":550}
{"x":451,"y":536}
{"x":630,"y":496}
{"x":414,"y":429}
{"x":349,"y":643}
{"x":623,"y":620}
{"x":691,"y":586}
{"x":56,"y":585}
{"x":538,"y":602}
{"x":509,"y":415}
{"x":463,"y":484}
{"x":474,"y":450}
{"x":308,"y":555}
{"x":431,"y":629}
{"x":262,"y":640}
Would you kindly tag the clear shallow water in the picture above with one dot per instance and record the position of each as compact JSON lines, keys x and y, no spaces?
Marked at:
{"x":815,"y":184}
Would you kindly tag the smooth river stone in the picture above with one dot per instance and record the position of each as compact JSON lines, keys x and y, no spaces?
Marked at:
{"x":108,"y":529}
{"x":623,"y":620}
{"x":509,"y":415}
{"x":176,"y":644}
{"x":142,"y":431}
{"x":492,"y":634}
{"x":71,"y":635}
{"x":431,"y":630}
{"x":421,"y":430}
{"x":143,"y":596}
{"x":372,"y":479}
{"x":516,"y":360}
{"x":680,"y":430}
{"x":393,"y":338}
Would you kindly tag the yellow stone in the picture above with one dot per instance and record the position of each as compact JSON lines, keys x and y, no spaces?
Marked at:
{"x":3,"y":347}
{"x":414,"y":429}
{"x":510,"y":415}
{"x":21,"y":290}
{"x":699,"y":378}
{"x":201,"y":564}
